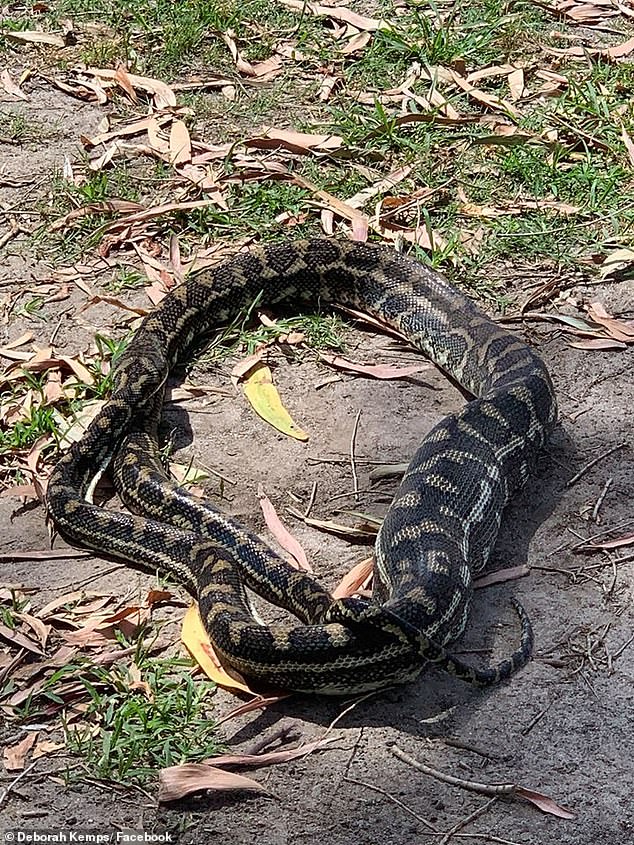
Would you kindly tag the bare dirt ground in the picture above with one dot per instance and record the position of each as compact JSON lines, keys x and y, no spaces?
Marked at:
{"x":563,"y":726}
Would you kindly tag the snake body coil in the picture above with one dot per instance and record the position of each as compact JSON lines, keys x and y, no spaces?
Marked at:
{"x":439,"y":530}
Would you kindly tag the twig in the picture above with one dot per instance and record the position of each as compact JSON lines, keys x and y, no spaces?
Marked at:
{"x":394,"y":800}
{"x":5,"y":792}
{"x":470,"y":818}
{"x":594,"y":461}
{"x":599,"y":502}
{"x":350,"y":707}
{"x":622,"y":648}
{"x":432,"y":830}
{"x":529,"y":727}
{"x":353,"y":467}
{"x":471,"y":785}
{"x":311,"y":500}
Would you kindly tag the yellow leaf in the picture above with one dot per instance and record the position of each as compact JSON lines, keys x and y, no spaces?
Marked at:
{"x":265,"y":400}
{"x":196,"y":640}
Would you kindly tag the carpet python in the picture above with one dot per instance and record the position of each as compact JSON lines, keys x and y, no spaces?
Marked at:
{"x":438,"y":532}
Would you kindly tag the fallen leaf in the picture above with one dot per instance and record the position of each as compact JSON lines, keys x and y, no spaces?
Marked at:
{"x":281,"y":532}
{"x":355,"y":579}
{"x":10,"y":86}
{"x":33,"y":36}
{"x":300,"y":143}
{"x":618,"y":329}
{"x":597,"y":343}
{"x":269,"y":758}
{"x":196,"y":640}
{"x":511,"y":573}
{"x":628,"y":540}
{"x":164,"y":95}
{"x":177,"y":781}
{"x":262,"y":394}
{"x":544,"y":803}
{"x":338,"y":13}
{"x":180,"y":145}
{"x":37,"y":626}
{"x":18,"y":639}
{"x":377,"y":371}
{"x":14,"y":757}
{"x":123,"y":80}
{"x":46,"y":747}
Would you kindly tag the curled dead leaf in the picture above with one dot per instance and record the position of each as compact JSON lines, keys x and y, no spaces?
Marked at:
{"x":176,"y":782}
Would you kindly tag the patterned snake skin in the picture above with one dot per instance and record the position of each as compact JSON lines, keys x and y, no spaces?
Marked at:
{"x":439,"y":530}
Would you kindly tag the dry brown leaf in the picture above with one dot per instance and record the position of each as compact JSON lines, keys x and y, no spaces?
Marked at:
{"x":328,"y":84}
{"x":37,"y":626}
{"x":123,"y":80}
{"x":378,"y":371}
{"x":544,"y":803}
{"x":156,"y":211}
{"x":360,"y":222}
{"x":112,"y":206}
{"x":300,"y":143}
{"x":32,"y":36}
{"x":335,"y":527}
{"x":11,"y":87}
{"x":180,"y":145}
{"x":14,"y":757}
{"x":245,"y":365}
{"x":260,"y":702}
{"x":176,"y":782}
{"x":597,"y":343}
{"x":354,"y":580}
{"x":163,"y":94}
{"x":338,"y":13}
{"x":489,"y":100}
{"x":281,"y":532}
{"x":628,"y":540}
{"x":18,"y":639}
{"x":137,"y":683}
{"x":269,"y":758}
{"x":155,"y":596}
{"x":116,"y":302}
{"x":617,"y":329}
{"x":516,"y":84}
{"x":47,"y":746}
{"x":356,"y":43}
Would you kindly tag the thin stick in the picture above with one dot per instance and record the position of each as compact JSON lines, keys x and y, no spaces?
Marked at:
{"x":311,"y":500}
{"x":529,"y":727}
{"x":433,"y":831}
{"x":599,"y":502}
{"x":394,"y":800}
{"x":353,"y":467}
{"x":594,"y":461}
{"x":470,"y":818}
{"x":471,"y":785}
{"x":5,"y":792}
{"x":350,"y":707}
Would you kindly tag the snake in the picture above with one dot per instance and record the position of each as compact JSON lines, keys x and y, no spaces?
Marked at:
{"x":438,"y":532}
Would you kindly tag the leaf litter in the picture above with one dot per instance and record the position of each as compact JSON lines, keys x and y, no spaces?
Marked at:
{"x":166,"y":138}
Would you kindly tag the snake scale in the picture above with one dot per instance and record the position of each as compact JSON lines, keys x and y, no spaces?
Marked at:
{"x":438,"y":532}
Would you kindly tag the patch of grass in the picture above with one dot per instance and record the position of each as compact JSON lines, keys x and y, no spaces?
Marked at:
{"x":131,"y":733}
{"x":24,"y":433}
{"x":19,"y":128}
{"x":320,"y":331}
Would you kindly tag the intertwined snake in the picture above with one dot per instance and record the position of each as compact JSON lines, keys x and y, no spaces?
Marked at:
{"x":439,"y":530}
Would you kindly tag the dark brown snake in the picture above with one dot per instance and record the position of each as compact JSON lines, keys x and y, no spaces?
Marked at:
{"x":438,"y":532}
